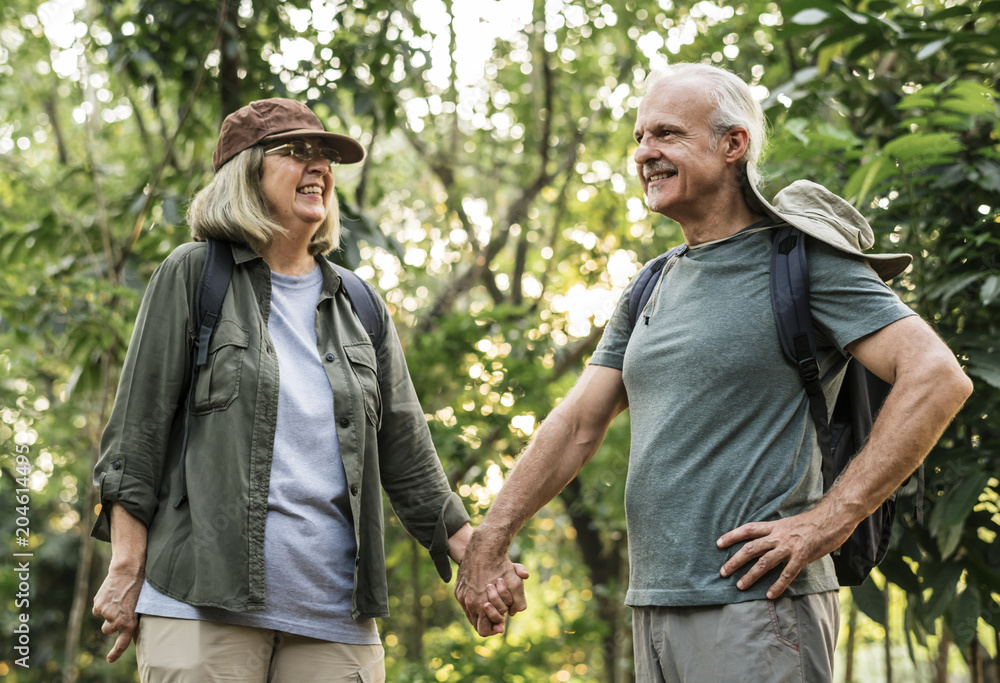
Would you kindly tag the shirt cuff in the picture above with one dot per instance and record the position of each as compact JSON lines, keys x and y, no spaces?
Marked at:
{"x":452,"y":518}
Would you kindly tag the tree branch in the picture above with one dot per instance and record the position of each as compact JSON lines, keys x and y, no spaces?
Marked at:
{"x":359,"y":191}
{"x":95,"y":175}
{"x":50,"y":110}
{"x":520,"y":257}
{"x":554,"y":235}
{"x":572,"y":358}
{"x":168,"y":152}
{"x":230,"y":84}
{"x":565,"y":364}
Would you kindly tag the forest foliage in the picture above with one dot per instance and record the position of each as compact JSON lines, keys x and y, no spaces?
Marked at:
{"x":500,"y":215}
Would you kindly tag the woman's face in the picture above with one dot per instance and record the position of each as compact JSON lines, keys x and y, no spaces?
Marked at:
{"x":298,"y":192}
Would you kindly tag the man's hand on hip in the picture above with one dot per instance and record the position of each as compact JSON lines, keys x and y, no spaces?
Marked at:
{"x":793,"y":541}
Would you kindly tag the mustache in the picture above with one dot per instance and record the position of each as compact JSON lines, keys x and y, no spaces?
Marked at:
{"x":651,"y":168}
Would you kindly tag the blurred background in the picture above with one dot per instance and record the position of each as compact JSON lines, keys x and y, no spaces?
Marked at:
{"x":500,"y":215}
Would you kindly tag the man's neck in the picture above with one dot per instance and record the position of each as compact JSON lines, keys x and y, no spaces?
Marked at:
{"x":719,"y":225}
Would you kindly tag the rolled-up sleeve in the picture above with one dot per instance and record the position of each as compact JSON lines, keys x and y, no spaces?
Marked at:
{"x":150,"y":391}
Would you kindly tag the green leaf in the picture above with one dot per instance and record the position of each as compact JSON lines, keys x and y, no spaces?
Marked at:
{"x":958,"y":11}
{"x":870,"y":600}
{"x":948,"y":540}
{"x":991,"y":612}
{"x":985,"y":366}
{"x":867,"y":177}
{"x":917,"y":100}
{"x":915,"y":145}
{"x":989,"y":175}
{"x":950,"y":120}
{"x":931,"y":48}
{"x":972,"y":105}
{"x":942,"y":580}
{"x":810,"y":17}
{"x":973,"y":89}
{"x":965,"y":620}
{"x":859,"y":19}
{"x":889,"y":23}
{"x":912,"y":623}
{"x":897,"y":570}
{"x":949,"y":513}
{"x":952,"y":287}
{"x":990,"y":290}
{"x":797,"y":128}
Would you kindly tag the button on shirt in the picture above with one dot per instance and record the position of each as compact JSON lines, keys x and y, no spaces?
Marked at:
{"x":209,"y":551}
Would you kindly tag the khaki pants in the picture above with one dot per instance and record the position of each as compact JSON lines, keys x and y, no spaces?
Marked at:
{"x":788,"y":640}
{"x":191,"y":651}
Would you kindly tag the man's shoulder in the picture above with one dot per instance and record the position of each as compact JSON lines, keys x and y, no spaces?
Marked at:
{"x":828,"y":263}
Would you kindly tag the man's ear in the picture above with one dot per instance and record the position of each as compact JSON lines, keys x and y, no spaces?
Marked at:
{"x":735,"y":143}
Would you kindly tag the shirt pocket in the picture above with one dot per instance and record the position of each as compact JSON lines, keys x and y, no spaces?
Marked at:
{"x":218,"y":382}
{"x":362,"y":359}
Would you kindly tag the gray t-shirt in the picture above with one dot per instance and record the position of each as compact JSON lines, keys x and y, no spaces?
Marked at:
{"x":309,"y":543}
{"x":721,"y":431}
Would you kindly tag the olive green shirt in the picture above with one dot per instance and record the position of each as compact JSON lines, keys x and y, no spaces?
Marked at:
{"x":209,"y":549}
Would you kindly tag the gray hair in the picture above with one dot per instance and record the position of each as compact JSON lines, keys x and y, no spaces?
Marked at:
{"x":734,"y":106}
{"x":232,"y":207}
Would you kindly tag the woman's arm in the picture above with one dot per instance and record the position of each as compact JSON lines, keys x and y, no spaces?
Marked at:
{"x":117,"y":598}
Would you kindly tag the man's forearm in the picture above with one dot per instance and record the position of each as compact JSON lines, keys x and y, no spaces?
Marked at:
{"x":567,"y":439}
{"x":928,"y":388}
{"x":918,"y":409}
{"x":559,"y":450}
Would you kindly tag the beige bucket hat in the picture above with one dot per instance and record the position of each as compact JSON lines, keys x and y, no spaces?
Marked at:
{"x":816,"y":211}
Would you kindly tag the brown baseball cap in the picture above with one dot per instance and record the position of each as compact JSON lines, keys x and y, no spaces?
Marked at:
{"x":274,"y":120}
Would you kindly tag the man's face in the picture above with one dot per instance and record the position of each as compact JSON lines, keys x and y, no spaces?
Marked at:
{"x":680,"y":163}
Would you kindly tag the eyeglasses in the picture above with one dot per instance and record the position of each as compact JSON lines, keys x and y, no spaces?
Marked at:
{"x":304,"y":151}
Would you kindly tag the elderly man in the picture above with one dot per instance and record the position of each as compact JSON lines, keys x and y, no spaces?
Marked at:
{"x":729,"y":529}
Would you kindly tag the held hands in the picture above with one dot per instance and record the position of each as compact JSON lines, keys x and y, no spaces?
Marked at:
{"x":487,"y":588}
{"x":116,"y":601}
{"x":795,"y":541}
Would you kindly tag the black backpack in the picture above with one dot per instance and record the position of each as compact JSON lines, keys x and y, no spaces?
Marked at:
{"x":213,"y":284}
{"x":860,"y":398}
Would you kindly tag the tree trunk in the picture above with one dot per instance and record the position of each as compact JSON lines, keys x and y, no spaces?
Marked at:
{"x":415,"y":646}
{"x":852,"y":626}
{"x":605,"y":565}
{"x":608,"y":609}
{"x":230,"y":83}
{"x":81,"y":586}
{"x":81,"y":589}
{"x":941,"y":665}
{"x":975,"y":662}
{"x":996,"y":655}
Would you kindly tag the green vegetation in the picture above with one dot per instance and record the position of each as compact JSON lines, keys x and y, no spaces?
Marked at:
{"x":500,"y":215}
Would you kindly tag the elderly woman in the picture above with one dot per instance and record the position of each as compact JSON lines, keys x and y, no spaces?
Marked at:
{"x":245,"y":514}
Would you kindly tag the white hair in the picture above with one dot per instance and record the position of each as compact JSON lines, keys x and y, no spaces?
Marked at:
{"x":734,"y":106}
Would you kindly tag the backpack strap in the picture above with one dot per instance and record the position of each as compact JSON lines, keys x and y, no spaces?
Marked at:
{"x":645,"y":283}
{"x":790,"y":304}
{"x":216,"y":273}
{"x":213,"y":284}
{"x":364,"y":301}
